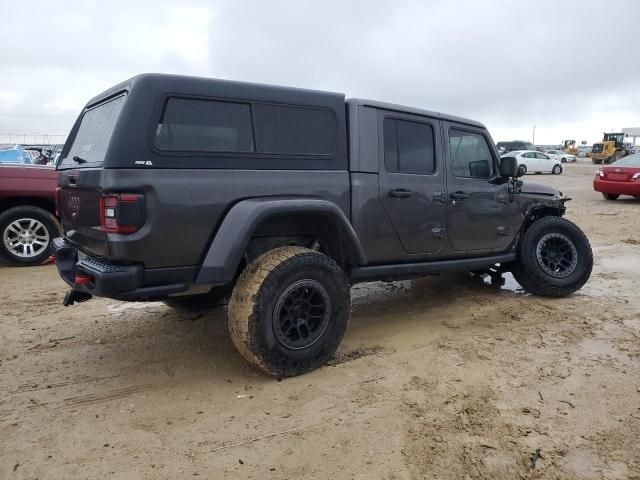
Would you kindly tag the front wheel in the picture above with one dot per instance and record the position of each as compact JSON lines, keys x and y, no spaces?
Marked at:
{"x":26,"y":233}
{"x":289,"y":311}
{"x":555,"y":258}
{"x":557,"y":170}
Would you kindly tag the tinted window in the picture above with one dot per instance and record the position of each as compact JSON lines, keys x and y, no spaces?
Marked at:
{"x":542,"y":156}
{"x":205,"y":126}
{"x":408,"y":146}
{"x":94,"y":134}
{"x":294,"y":130}
{"x":470,"y":155}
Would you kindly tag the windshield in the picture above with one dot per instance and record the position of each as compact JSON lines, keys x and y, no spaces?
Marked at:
{"x":94,"y":134}
{"x":631,"y":160}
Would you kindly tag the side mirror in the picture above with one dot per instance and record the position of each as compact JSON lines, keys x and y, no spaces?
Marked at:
{"x":509,"y":167}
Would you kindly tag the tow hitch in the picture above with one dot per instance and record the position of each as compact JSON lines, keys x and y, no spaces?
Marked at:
{"x":74,"y":296}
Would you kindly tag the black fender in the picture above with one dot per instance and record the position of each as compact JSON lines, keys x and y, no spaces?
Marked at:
{"x":232,"y":237}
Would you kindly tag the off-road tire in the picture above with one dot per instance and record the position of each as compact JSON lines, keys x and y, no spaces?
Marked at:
{"x":596,"y":161}
{"x":557,"y":170}
{"x":531,"y":275}
{"x":48,"y":221}
{"x":253,"y":303}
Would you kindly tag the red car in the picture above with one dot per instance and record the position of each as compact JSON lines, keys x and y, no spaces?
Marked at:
{"x":27,"y":212}
{"x":619,"y":178}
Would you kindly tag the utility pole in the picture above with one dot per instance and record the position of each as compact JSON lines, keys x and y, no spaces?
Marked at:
{"x":534,"y":136}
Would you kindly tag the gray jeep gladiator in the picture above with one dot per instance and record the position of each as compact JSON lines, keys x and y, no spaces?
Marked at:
{"x":179,"y":188}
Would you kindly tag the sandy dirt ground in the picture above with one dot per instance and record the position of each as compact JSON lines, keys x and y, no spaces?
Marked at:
{"x":442,"y":377}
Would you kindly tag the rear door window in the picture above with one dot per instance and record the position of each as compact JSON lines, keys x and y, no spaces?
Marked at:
{"x":92,"y":138}
{"x":408,"y":147}
{"x":193,"y":125}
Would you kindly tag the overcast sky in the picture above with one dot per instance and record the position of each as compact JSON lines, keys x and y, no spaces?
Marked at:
{"x":572,"y":68}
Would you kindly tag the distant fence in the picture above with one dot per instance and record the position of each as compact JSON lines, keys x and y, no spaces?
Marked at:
{"x":32,"y":138}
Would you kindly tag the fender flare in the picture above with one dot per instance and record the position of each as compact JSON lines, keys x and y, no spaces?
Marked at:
{"x":232,"y":236}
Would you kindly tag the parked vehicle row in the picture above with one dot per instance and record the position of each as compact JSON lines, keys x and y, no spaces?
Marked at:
{"x":531,"y":161}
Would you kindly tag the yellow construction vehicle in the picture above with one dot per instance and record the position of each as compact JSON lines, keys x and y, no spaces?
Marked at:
{"x":570,"y":147}
{"x":611,"y":149}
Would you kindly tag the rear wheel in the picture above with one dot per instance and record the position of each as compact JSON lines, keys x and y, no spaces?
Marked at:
{"x":289,"y":311}
{"x":610,"y":196}
{"x":557,"y":170}
{"x":555,"y":258}
{"x":523,"y":168}
{"x":596,"y":161}
{"x":563,"y":160}
{"x":26,"y":233}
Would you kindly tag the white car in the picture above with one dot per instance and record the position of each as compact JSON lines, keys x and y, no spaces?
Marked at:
{"x":536,"y":162}
{"x":564,"y":157}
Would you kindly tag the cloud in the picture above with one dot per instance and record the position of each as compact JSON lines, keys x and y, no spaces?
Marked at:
{"x":561,"y":66}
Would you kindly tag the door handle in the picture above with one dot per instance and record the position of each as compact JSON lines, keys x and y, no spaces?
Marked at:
{"x":400,"y":193}
{"x":459,"y":195}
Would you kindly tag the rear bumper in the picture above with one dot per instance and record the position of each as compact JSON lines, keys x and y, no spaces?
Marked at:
{"x":622,"y":188}
{"x":121,"y":282}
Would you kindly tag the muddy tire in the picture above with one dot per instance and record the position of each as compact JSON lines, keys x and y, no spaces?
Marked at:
{"x":26,"y":233}
{"x":610,"y":196}
{"x":289,"y":311}
{"x":555,"y":258}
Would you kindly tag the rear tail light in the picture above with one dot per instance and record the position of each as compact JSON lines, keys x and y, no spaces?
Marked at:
{"x":121,"y":212}
{"x":600,"y":173}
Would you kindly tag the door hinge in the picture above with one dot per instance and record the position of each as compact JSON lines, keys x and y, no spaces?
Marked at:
{"x":438,"y":232}
{"x":439,"y":197}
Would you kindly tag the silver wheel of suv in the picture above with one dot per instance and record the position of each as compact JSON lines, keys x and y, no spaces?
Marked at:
{"x":25,"y":237}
